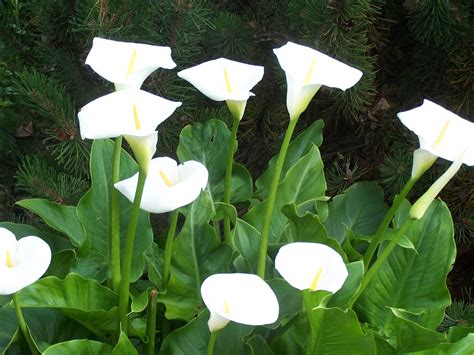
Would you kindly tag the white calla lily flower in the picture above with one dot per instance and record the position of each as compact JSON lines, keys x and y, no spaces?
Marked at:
{"x":441,"y":132}
{"x":127,"y":112}
{"x":168,"y":185}
{"x":22,"y":262}
{"x":311,"y":266}
{"x":241,"y":298}
{"x":306,"y":70}
{"x":127,"y":64}
{"x":225,"y":80}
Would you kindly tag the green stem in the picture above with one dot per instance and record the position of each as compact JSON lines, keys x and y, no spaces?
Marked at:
{"x":165,"y":326}
{"x":23,"y":326}
{"x":386,"y":221}
{"x":228,"y":175}
{"x":212,"y":342}
{"x":151,"y":323}
{"x":381,"y":259}
{"x":169,"y":248}
{"x":127,"y":258}
{"x":262,"y":251}
{"x":115,"y":217}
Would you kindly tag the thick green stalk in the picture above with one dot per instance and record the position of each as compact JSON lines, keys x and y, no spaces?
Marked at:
{"x":262,"y":251}
{"x":151,"y":323}
{"x":386,"y":221}
{"x":169,"y":248}
{"x":115,"y":217}
{"x":212,"y":342}
{"x":127,"y":257}
{"x":23,"y":326}
{"x":381,"y":259}
{"x":228,"y":175}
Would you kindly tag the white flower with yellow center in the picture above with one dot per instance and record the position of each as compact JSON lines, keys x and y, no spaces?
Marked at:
{"x":225,"y":80}
{"x":126,"y":112}
{"x":441,"y":132}
{"x":306,"y":70}
{"x":135,"y":114}
{"x":311,"y":266}
{"x":127,"y":64}
{"x":168,"y":185}
{"x":241,"y":298}
{"x":22,"y":262}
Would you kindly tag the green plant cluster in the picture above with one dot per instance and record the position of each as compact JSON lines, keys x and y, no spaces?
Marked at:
{"x":73,"y":310}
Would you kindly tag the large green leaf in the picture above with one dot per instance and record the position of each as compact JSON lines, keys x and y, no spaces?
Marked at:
{"x":207,"y":142}
{"x":463,"y":346}
{"x":360,"y":208}
{"x":8,"y":328}
{"x":61,"y":263}
{"x":342,"y":297}
{"x":90,"y":304}
{"x":300,"y":146}
{"x":303,"y":182}
{"x":59,"y":217}
{"x":414,"y":281}
{"x":50,"y":326}
{"x":289,"y":299}
{"x":197,"y":254}
{"x":456,"y":333}
{"x":94,"y":213}
{"x":82,"y":346}
{"x":334,"y":331}
{"x":405,"y":335}
{"x":294,"y":338}
{"x":246,"y":240}
{"x":233,"y":337}
{"x":191,"y":338}
{"x":259,"y":346}
{"x":194,"y":337}
{"x":154,"y":258}
{"x":307,"y":228}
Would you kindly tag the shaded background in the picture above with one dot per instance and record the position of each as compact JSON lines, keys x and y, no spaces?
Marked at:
{"x":408,"y":50}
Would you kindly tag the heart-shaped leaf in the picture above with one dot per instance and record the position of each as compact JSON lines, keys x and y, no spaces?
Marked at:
{"x":82,"y":346}
{"x":90,"y":304}
{"x":94,"y":213}
{"x":300,"y":146}
{"x":207,"y":142}
{"x":303,"y":182}
{"x":360,"y":208}
{"x":59,"y":217}
{"x":197,"y":253}
{"x":414,"y":281}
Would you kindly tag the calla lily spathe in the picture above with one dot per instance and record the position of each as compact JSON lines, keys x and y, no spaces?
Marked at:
{"x":441,"y":132}
{"x":241,"y":298}
{"x":311,"y":266}
{"x":306,"y":70}
{"x":22,"y":262}
{"x":127,"y":64}
{"x":225,"y":80}
{"x":168,"y":185}
{"x":126,"y":112}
